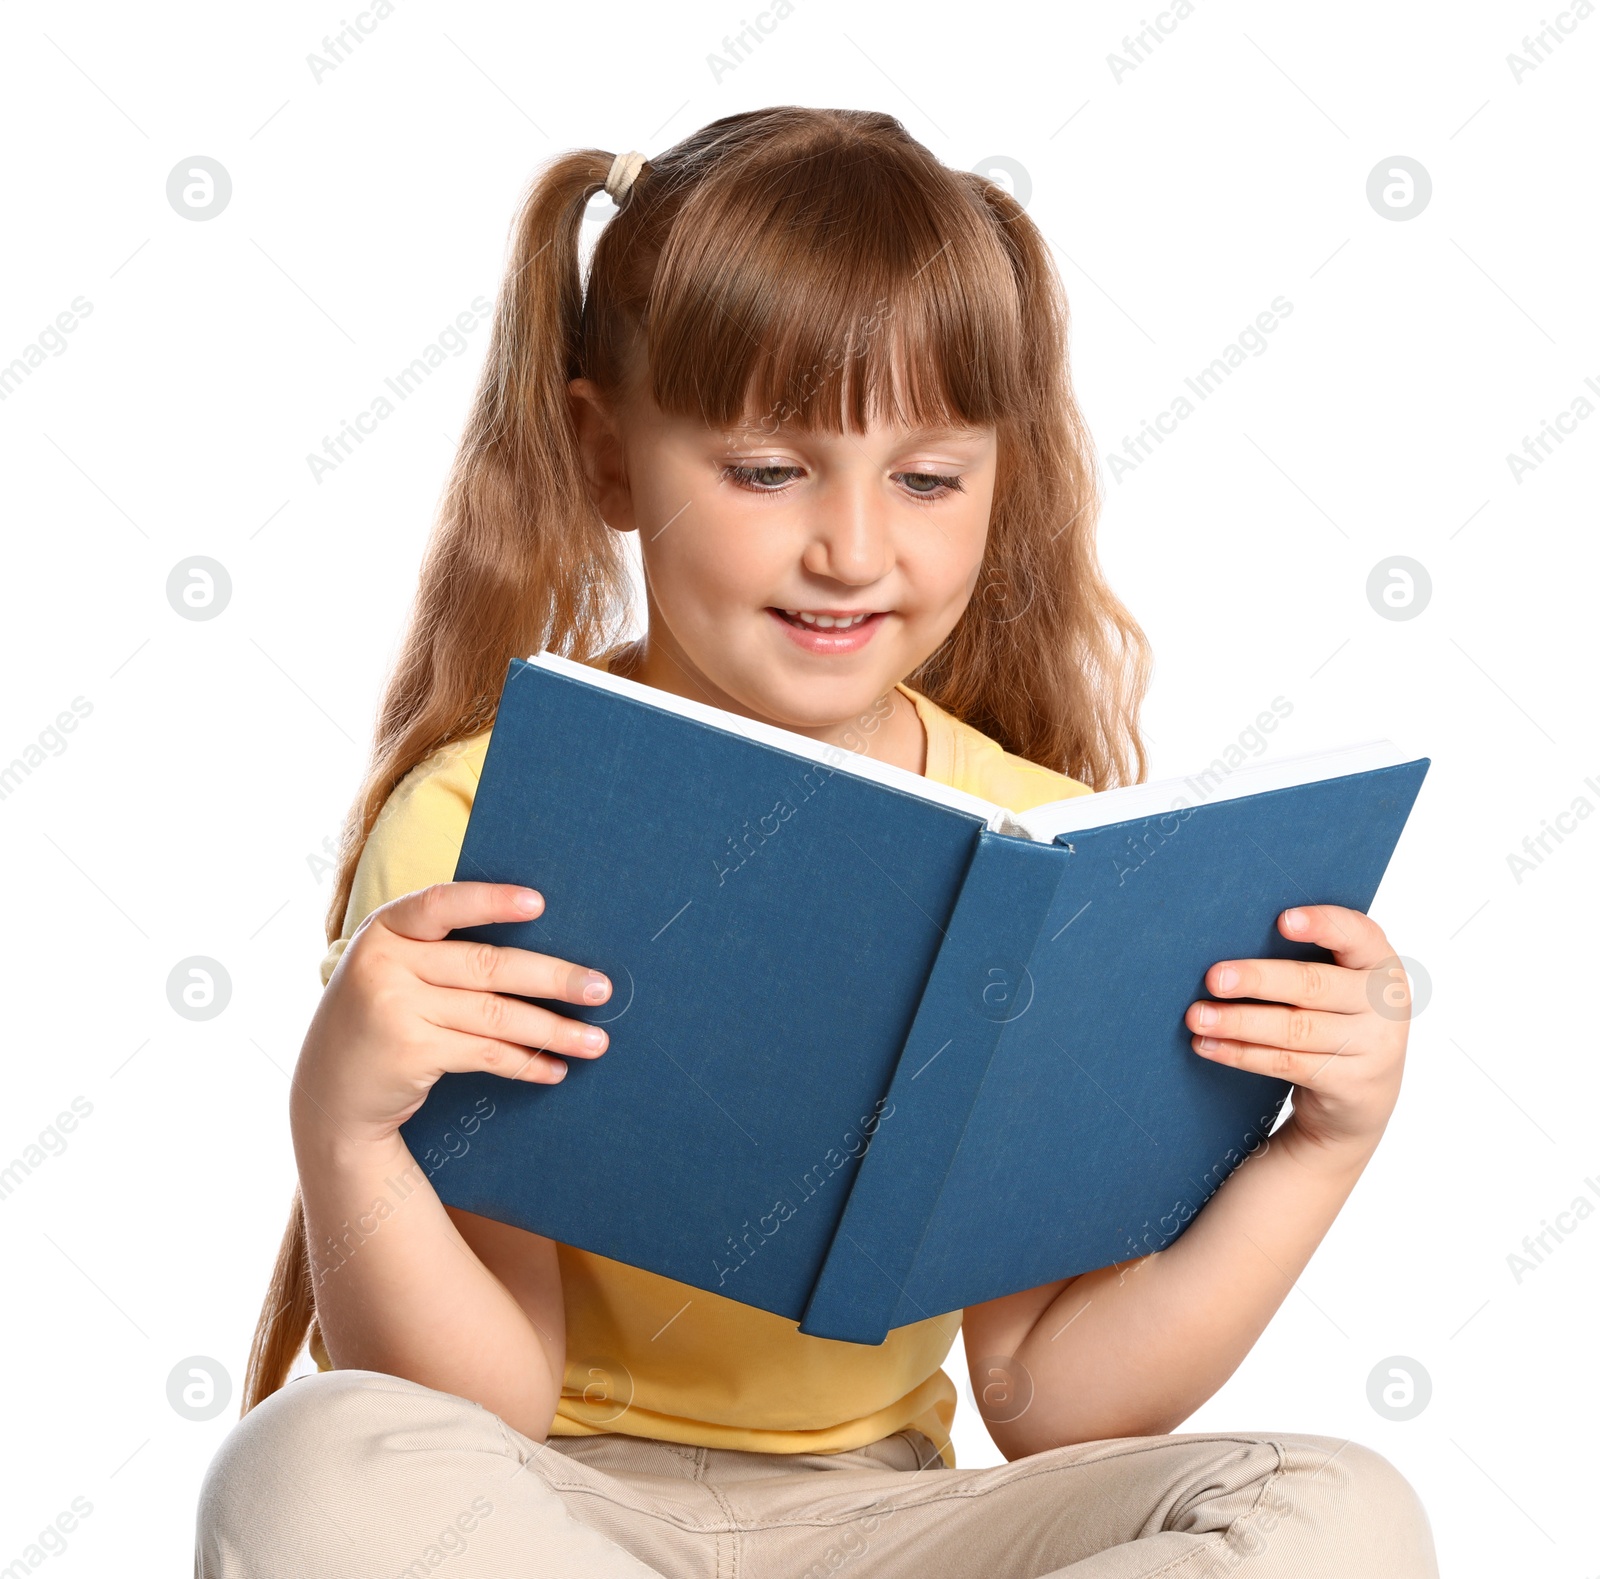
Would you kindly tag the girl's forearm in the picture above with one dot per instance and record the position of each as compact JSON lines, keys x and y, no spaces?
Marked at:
{"x":399,"y":1290}
{"x":1134,"y":1350}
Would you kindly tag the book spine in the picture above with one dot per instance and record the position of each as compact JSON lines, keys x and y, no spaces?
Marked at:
{"x":979,"y":983}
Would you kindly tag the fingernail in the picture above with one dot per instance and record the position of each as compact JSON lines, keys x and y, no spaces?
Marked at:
{"x":1227,"y":977}
{"x":529,"y":900}
{"x":1207,"y":1044}
{"x":593,"y":1038}
{"x":596,"y":989}
{"x":1296,"y":920}
{"x":1206,"y":1015}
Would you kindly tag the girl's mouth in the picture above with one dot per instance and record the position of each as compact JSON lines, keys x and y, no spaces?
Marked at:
{"x":829,"y":630}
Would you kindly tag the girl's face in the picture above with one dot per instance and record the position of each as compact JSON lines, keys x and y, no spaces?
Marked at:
{"x":794,"y":577}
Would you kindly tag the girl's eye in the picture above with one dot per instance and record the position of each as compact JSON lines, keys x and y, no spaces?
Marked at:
{"x":770,"y":479}
{"x":937,"y":484}
{"x":763,"y":479}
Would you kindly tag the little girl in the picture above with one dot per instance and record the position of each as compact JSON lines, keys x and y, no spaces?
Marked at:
{"x":822,"y":377}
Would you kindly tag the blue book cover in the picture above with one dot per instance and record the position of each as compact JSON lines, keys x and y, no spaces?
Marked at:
{"x":878,"y":1049}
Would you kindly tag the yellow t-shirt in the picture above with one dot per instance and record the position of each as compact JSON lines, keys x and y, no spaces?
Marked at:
{"x":693,"y":1366}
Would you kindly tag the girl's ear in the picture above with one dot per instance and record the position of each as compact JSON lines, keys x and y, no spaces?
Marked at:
{"x":600,"y":446}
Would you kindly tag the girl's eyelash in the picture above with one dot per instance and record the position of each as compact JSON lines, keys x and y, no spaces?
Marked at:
{"x":949,"y":482}
{"x":747,"y":475}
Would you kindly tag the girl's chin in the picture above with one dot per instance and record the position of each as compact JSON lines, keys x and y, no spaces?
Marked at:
{"x":807,"y":703}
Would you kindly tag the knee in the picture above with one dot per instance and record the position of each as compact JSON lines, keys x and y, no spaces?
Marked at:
{"x":301,"y":1435}
{"x":1357,"y":1497}
{"x":312,"y":1424}
{"x":1378,"y":1488}
{"x":291,"y":1463}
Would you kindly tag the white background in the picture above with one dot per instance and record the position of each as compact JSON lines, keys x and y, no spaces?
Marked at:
{"x":368,"y":209}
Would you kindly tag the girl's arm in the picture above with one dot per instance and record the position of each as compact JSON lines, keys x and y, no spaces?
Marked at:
{"x":403,"y":1284}
{"x":1134,"y":1349}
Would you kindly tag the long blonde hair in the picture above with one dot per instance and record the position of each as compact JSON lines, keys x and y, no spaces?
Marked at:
{"x":750,"y":268}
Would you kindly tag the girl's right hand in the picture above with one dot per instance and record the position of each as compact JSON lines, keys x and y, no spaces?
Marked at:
{"x":406,"y":1004}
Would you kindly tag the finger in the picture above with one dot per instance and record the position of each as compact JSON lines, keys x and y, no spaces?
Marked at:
{"x":1302,"y":1069}
{"x":429,"y":914}
{"x":461,"y":1053}
{"x":495,"y":1018}
{"x":489,"y":967}
{"x":1355,"y":940}
{"x":1274,"y":1025}
{"x":1307,"y":983}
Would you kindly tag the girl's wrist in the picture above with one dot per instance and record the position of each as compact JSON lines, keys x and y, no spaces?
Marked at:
{"x":1334,"y":1156}
{"x":327,"y":1145}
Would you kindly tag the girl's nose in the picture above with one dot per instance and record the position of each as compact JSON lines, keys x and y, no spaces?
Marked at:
{"x":851,"y":540}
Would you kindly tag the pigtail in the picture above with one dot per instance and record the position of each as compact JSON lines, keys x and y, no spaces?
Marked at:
{"x":287,"y":1313}
{"x":519,"y":561}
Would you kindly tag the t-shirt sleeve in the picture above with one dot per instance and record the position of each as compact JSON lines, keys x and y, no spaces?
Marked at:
{"x":417,"y":838}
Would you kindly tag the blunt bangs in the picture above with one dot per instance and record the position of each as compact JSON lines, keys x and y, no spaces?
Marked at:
{"x":830,"y":289}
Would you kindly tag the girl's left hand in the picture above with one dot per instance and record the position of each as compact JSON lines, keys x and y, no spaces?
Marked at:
{"x":1338,"y":1031}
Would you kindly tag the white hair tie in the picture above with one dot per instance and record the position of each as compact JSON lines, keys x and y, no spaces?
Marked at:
{"x":624,"y":171}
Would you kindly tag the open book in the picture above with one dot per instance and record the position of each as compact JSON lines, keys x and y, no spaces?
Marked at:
{"x":879,"y":1049}
{"x":1043,"y":823}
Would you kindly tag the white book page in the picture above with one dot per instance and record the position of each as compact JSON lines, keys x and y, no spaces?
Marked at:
{"x":1046,"y":822}
{"x":845,"y":761}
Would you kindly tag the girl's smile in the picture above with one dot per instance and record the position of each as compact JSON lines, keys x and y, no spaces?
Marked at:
{"x":829,"y":631}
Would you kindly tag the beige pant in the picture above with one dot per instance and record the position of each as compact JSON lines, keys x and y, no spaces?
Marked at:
{"x":356,"y":1475}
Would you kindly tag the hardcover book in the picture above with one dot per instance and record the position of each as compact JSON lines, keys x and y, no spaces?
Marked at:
{"x":879,"y":1049}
